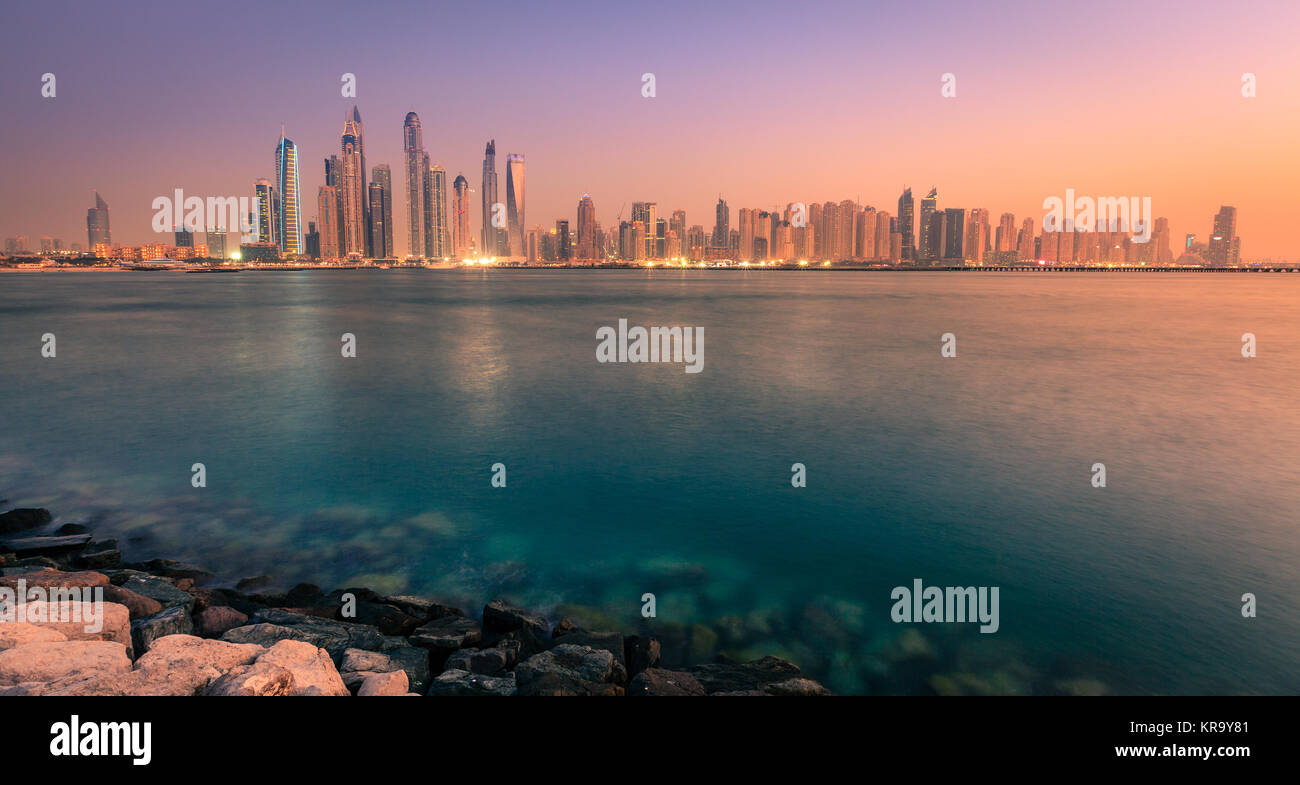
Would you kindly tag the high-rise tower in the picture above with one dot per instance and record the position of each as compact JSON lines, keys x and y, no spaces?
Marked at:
{"x":460,"y":217}
{"x":413,"y":145}
{"x":515,"y":205}
{"x":586,"y":228}
{"x":288,"y":224}
{"x":907,"y":249}
{"x":97,"y":227}
{"x":352,"y":188}
{"x":492,"y":235}
{"x":437,"y":242}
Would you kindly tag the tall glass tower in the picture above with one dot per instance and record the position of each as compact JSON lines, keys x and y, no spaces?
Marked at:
{"x":286,"y":178}
{"x":515,"y":204}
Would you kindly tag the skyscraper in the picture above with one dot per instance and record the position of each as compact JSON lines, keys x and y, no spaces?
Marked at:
{"x":413,"y":145}
{"x":381,"y":214}
{"x":289,"y":230}
{"x":1223,"y":238}
{"x":647,"y":214}
{"x":438,"y":240}
{"x":586,"y":228}
{"x":927,"y":239}
{"x":721,"y":224}
{"x":460,"y":217}
{"x":267,"y":212}
{"x":327,"y":210}
{"x":97,"y":227}
{"x":515,"y":204}
{"x":492,"y":235}
{"x":352,"y":189}
{"x":216,"y":242}
{"x":907,"y":250}
{"x":564,"y":248}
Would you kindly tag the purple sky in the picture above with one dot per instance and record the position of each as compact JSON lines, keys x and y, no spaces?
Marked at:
{"x":764,"y":102}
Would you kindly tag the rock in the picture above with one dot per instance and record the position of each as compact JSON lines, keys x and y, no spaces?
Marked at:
{"x":19,"y":633}
{"x":390,"y":683}
{"x":739,"y":677}
{"x":173,"y":620}
{"x":464,"y":683}
{"x":138,"y":605}
{"x":97,"y":558}
{"x":387,"y":618}
{"x":499,"y":616}
{"x":448,"y":633}
{"x":421,"y":608}
{"x":797,"y":687}
{"x":257,"y":680}
{"x":254,"y":583}
{"x":72,"y":528}
{"x":303,"y":594}
{"x":44,"y":546}
{"x":569,"y":670}
{"x":565,"y":625}
{"x":54,"y":660}
{"x":611,"y":642}
{"x":174,"y":665}
{"x":657,"y":681}
{"x":22,"y":519}
{"x":82,"y":620}
{"x":272,"y":624}
{"x":216,"y":620}
{"x":358,"y":663}
{"x":49,"y":579}
{"x":312,"y":668}
{"x":160,"y":589}
{"x":640,"y":653}
{"x":175,"y":569}
{"x":26,"y":689}
{"x":488,"y":662}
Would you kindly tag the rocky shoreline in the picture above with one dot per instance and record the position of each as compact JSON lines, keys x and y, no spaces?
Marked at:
{"x":166,"y":632}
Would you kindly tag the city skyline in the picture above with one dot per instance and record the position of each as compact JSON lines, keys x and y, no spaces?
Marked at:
{"x":1007,"y":140}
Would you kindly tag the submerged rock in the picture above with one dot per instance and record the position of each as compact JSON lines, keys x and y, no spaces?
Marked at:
{"x":23,"y":518}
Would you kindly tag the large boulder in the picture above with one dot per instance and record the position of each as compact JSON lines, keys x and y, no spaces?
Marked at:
{"x":660,"y":682}
{"x":138,"y":605}
{"x":312,"y":668}
{"x":741,"y":677}
{"x":20,"y":633}
{"x":215,"y":620}
{"x":49,"y":579}
{"x":45,"y":546}
{"x":390,"y":683}
{"x":160,"y":589}
{"x":106,"y":621}
{"x":611,"y":642}
{"x":168,"y":621}
{"x":570,"y":670}
{"x":54,"y":660}
{"x":463,"y":683}
{"x":174,"y":665}
{"x":258,"y":679}
{"x":448,"y":633}
{"x":23,"y":518}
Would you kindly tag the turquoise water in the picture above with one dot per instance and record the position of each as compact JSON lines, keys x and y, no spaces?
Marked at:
{"x":624,"y":479}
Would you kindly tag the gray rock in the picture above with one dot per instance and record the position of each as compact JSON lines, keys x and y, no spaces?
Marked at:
{"x":660,"y":682}
{"x":272,"y":624}
{"x":570,"y":670}
{"x":485,"y":661}
{"x":611,"y":642}
{"x":160,"y":589}
{"x":44,"y":546}
{"x":356,"y":663}
{"x":464,"y":683}
{"x":22,"y":519}
{"x":448,"y":633}
{"x":740,"y":677}
{"x":174,"y":620}
{"x":500,"y":616}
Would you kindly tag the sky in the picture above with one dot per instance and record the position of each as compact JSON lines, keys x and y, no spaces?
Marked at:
{"x":762,"y":103}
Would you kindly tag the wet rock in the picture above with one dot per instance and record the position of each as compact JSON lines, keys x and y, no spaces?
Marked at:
{"x":798,"y":688}
{"x":464,"y":683}
{"x":390,"y":683}
{"x":20,"y":633}
{"x":737,"y":677}
{"x":23,"y":518}
{"x":72,"y":528}
{"x":175,"y":569}
{"x":160,"y":589}
{"x":254,"y":583}
{"x":214,"y":621}
{"x":657,"y":681}
{"x":421,"y":608}
{"x":258,"y":680}
{"x":138,"y":605}
{"x":611,"y":642}
{"x":566,"y":625}
{"x":312,"y":668}
{"x":45,"y":546}
{"x":97,"y":558}
{"x":488,"y":662}
{"x":640,"y":653}
{"x":570,"y":670}
{"x":500,"y":616}
{"x":448,"y":633}
{"x":387,"y":618}
{"x":168,"y":621}
{"x":304,"y":594}
{"x":54,"y":660}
